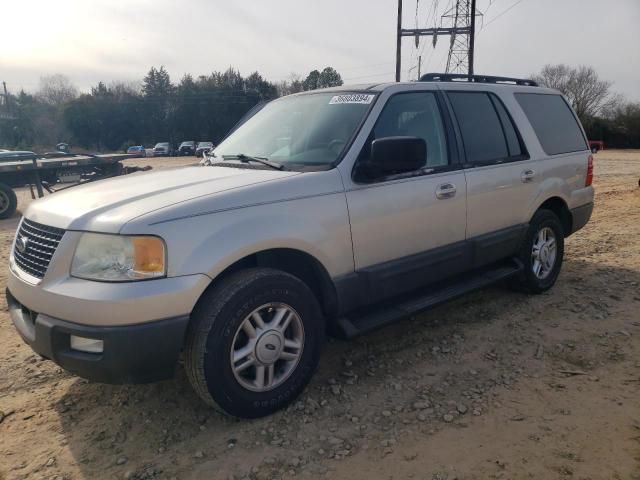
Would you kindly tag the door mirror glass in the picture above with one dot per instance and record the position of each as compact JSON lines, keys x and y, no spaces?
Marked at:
{"x":394,"y":155}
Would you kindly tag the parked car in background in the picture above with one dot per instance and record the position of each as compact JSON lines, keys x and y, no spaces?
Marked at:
{"x":187,"y":148}
{"x":162,"y":149}
{"x":203,"y":147}
{"x":596,"y":145}
{"x":137,"y":150}
{"x":63,"y":147}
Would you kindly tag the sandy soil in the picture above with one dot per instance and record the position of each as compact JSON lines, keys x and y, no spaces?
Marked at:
{"x":495,"y":385}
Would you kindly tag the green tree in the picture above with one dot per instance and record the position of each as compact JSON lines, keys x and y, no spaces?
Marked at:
{"x":312,"y":80}
{"x":158,"y":91}
{"x":329,"y":78}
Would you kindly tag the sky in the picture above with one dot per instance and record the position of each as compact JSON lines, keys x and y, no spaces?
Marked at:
{"x":119,"y":40}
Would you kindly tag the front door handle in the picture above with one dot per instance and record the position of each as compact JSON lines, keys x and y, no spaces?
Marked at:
{"x":527,"y":176}
{"x":446,"y":190}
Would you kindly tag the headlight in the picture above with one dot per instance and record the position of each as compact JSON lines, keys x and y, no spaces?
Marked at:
{"x":118,"y":258}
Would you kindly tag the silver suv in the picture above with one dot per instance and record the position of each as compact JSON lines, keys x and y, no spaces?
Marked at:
{"x":337,"y":210}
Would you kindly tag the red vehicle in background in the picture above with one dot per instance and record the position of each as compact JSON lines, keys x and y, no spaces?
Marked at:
{"x":596,"y":145}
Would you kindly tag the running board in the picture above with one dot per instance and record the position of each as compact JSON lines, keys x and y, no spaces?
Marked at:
{"x":349,"y":327}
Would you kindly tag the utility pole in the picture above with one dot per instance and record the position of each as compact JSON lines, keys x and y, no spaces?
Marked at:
{"x":399,"y":41}
{"x":472,"y":36}
{"x":462,"y":34}
{"x":419,"y":65}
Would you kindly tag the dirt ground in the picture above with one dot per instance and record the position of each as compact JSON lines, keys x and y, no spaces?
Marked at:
{"x":496,"y":385}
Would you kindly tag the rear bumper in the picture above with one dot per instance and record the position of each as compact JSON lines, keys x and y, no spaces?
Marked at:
{"x":580,"y":216}
{"x":141,"y":353}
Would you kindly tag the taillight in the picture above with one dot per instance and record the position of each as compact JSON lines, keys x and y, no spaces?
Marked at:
{"x":589,"y":180}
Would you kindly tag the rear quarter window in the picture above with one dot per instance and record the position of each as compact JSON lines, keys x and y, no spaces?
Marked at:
{"x":553,"y":121}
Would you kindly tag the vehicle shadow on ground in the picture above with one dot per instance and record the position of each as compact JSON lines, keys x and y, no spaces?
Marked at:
{"x":167,"y":424}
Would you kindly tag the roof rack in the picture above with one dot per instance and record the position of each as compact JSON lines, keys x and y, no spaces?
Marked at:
{"x":461,"y":77}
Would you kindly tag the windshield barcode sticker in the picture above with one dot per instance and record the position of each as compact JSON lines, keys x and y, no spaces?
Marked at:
{"x":352,"y":98}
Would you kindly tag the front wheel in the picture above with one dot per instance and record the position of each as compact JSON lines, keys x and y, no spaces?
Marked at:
{"x":541,"y":253}
{"x":254,"y":342}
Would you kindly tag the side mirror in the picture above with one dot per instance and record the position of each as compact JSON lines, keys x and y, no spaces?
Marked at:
{"x":394,"y":155}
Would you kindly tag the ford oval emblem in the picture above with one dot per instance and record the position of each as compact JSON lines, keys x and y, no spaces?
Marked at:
{"x":21,"y":244}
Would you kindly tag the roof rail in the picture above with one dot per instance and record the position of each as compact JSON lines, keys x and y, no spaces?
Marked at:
{"x":461,"y":77}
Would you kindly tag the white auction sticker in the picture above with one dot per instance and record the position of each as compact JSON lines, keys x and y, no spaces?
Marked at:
{"x":352,"y":98}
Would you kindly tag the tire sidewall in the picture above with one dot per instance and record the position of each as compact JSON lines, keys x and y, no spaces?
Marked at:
{"x":11,"y":199}
{"x":221,"y":382}
{"x":541,"y":220}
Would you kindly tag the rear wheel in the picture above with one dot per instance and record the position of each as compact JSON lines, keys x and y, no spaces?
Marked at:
{"x":541,"y":253}
{"x":254,"y":342}
{"x":8,"y":201}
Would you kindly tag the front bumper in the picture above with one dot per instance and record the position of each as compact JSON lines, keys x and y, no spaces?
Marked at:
{"x":139,"y":353}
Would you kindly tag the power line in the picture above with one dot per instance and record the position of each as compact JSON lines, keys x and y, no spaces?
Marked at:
{"x":433,"y":12}
{"x":501,"y":14}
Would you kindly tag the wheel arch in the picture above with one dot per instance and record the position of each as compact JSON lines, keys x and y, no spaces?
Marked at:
{"x":298,"y":263}
{"x":558,"y":206}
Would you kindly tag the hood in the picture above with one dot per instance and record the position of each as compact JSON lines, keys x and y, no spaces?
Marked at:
{"x":106,"y":205}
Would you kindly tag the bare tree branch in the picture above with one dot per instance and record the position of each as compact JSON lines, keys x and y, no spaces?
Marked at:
{"x":587,"y":93}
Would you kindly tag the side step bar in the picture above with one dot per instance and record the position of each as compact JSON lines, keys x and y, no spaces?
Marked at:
{"x":349,"y":327}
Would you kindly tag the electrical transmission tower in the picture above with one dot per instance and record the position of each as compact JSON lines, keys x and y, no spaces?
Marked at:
{"x":462,"y":17}
{"x":462,"y":29}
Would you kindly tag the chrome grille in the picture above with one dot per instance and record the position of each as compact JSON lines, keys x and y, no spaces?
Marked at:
{"x":40,"y":243}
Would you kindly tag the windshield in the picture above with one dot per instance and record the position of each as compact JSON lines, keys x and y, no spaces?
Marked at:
{"x":159,"y":145}
{"x":205,"y":144}
{"x":307,"y":130}
{"x":187,"y":144}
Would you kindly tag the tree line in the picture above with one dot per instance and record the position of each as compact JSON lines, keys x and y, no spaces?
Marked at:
{"x":117,"y":115}
{"x":204,"y":108}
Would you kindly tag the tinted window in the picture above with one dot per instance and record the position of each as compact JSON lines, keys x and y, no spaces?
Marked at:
{"x":413,"y":115}
{"x":553,"y":121}
{"x":480,"y":127}
{"x":513,"y":141}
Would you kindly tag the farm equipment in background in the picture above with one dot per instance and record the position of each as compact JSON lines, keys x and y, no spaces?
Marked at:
{"x":53,"y":171}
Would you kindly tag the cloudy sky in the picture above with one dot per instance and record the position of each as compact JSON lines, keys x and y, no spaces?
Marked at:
{"x":94,"y":40}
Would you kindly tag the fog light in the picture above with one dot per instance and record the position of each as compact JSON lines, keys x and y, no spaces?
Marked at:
{"x":89,"y":345}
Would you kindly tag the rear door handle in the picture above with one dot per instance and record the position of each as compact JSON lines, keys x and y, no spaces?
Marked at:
{"x":527,"y":176}
{"x":446,"y":190}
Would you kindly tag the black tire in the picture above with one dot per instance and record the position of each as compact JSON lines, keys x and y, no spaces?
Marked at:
{"x":212,"y":331}
{"x":8,"y":201}
{"x":527,"y":280}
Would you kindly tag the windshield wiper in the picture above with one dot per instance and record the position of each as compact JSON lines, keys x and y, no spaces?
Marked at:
{"x":248,"y":158}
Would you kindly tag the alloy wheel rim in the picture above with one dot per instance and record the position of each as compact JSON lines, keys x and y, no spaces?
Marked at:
{"x":544,"y":253}
{"x":267,"y":347}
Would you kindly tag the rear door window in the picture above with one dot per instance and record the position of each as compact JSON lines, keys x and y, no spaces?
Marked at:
{"x":482,"y":132}
{"x":553,"y":121}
